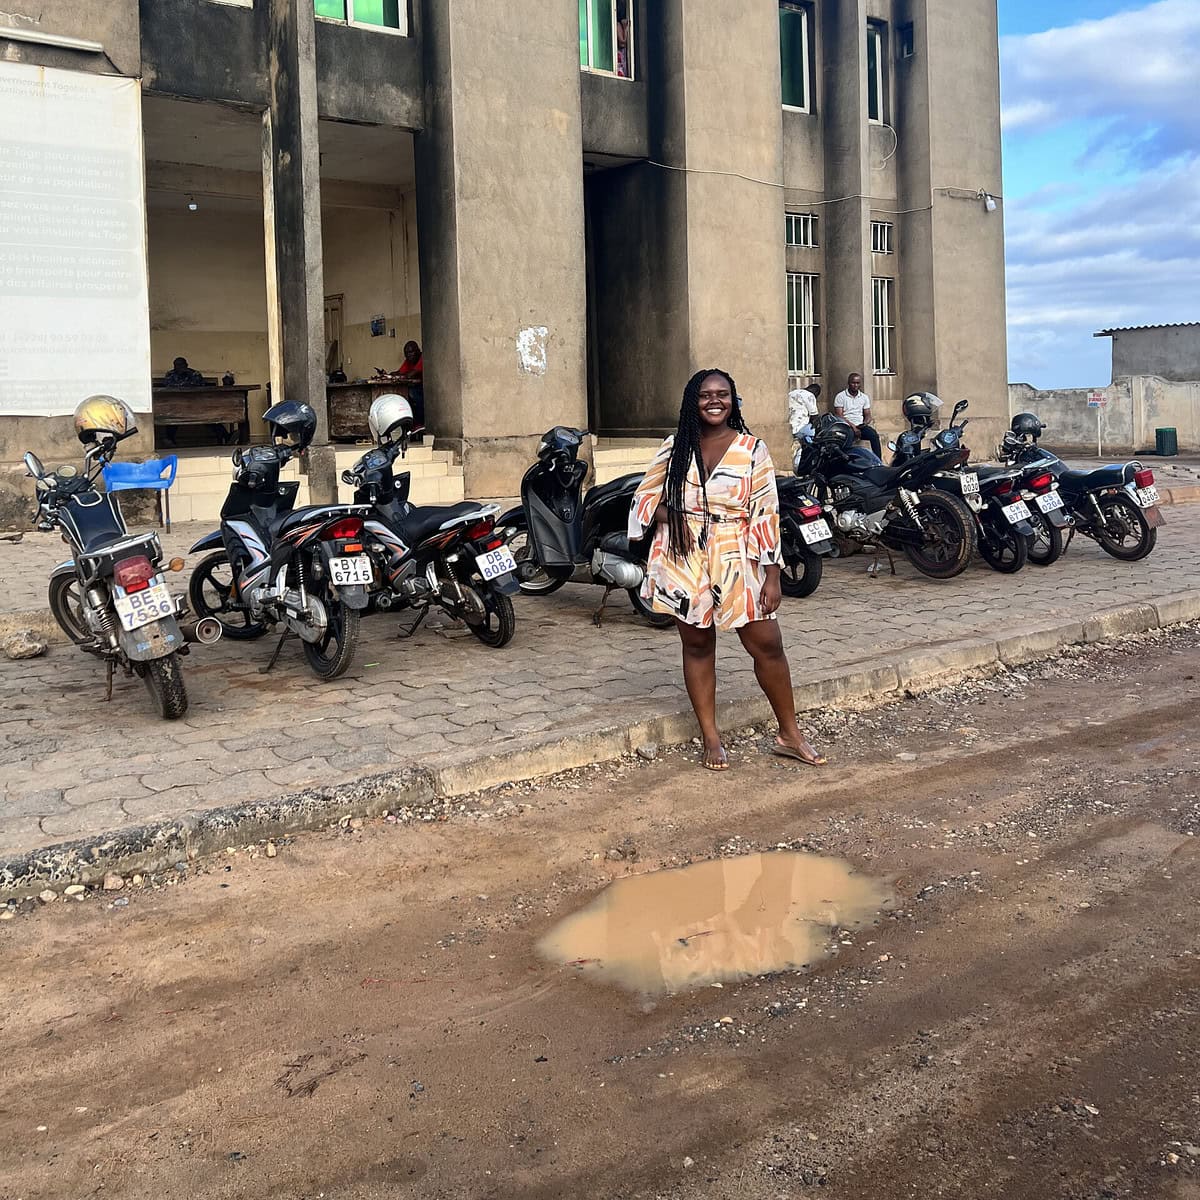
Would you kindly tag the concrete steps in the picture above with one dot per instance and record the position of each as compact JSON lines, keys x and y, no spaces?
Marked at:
{"x":615,"y":457}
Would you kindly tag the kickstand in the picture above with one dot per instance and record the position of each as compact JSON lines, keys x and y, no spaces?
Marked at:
{"x":873,"y":569}
{"x":110,"y":666}
{"x":1070,"y":538}
{"x":407,"y":633}
{"x":598,"y":615}
{"x":275,"y":656}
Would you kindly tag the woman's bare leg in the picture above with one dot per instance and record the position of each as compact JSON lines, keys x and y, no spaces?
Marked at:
{"x":700,"y":676}
{"x":764,"y":643}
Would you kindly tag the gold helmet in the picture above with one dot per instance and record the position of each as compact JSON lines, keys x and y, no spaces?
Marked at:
{"x":104,"y":417}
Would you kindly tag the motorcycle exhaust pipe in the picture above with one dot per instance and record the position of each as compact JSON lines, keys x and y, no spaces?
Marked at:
{"x":206,"y":631}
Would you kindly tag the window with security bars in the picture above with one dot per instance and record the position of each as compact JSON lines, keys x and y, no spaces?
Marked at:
{"x":883,"y":326}
{"x":802,"y":229}
{"x":803,"y":305}
{"x":881,"y":237}
{"x":606,"y":37}
{"x":795,"y":56}
{"x":378,"y":14}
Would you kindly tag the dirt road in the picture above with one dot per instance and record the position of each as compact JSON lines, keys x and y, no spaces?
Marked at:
{"x":364,"y":1015}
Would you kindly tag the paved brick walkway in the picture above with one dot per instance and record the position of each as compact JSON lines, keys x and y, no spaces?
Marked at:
{"x":75,"y":766}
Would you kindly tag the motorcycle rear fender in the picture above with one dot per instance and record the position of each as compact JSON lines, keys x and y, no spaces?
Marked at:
{"x":506,"y":585}
{"x":63,"y":568}
{"x":156,"y":640}
{"x":353,"y":596}
{"x":210,"y":541}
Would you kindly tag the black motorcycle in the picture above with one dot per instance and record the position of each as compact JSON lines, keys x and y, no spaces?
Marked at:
{"x":893,"y":508}
{"x":111,"y":597}
{"x":557,"y":530}
{"x":450,"y":556}
{"x":804,"y":535}
{"x":274,"y":564}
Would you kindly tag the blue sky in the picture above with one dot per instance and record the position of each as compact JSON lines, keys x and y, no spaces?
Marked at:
{"x":1101,"y":115}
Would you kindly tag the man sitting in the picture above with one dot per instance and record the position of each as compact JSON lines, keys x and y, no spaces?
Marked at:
{"x":854,"y":405}
{"x":182,"y":376}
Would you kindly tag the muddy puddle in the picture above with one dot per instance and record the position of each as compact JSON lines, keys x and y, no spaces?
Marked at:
{"x":669,"y":931}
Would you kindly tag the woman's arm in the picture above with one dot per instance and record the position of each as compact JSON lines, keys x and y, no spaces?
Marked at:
{"x":649,"y":507}
{"x":763,"y":538}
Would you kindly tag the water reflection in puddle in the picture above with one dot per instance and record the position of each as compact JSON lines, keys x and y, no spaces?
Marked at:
{"x":667,"y":931}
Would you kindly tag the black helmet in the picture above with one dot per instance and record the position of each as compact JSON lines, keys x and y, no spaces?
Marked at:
{"x":292,"y":423}
{"x":1028,"y":425}
{"x":832,"y":430}
{"x":920,"y":408}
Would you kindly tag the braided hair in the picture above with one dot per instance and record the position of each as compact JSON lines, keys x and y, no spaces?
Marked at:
{"x":685,"y":452}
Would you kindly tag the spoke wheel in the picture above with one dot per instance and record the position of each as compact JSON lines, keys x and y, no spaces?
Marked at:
{"x":66,"y":604}
{"x":1125,"y":534}
{"x":210,"y":594}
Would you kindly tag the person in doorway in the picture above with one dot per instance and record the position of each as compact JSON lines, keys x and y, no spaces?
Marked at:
{"x":710,"y":498}
{"x":623,"y":64}
{"x":412,"y":371}
{"x":855,"y":406}
{"x":802,"y":407}
{"x":182,"y":376}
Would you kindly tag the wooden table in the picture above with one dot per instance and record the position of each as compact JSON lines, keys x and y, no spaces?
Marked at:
{"x":205,"y":406}
{"x":350,"y":403}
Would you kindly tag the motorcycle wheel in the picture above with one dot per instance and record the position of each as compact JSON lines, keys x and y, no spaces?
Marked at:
{"x":1004,"y":550}
{"x":163,"y":678}
{"x":210,"y":594}
{"x":541,"y":584}
{"x":499,"y":622}
{"x":66,"y":605}
{"x":949,"y":538}
{"x":1125,"y":533}
{"x":644,"y":610}
{"x":801,"y":576}
{"x":332,"y":655}
{"x":1047,"y":544}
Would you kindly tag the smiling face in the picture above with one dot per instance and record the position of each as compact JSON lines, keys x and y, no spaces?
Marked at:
{"x":715,"y":400}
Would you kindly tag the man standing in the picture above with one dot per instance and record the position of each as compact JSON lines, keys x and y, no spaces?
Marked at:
{"x":855,"y":406}
{"x":802,"y":407}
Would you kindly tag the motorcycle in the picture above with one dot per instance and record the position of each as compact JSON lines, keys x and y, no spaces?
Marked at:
{"x":872,"y":505}
{"x":1048,"y":514}
{"x":557,"y":530}
{"x":275,"y":564}
{"x":445,"y":555}
{"x":111,"y":597}
{"x":804,"y":535}
{"x":1116,"y":505}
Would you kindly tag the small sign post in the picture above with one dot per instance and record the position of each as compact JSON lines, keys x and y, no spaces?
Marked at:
{"x":1098,"y":400}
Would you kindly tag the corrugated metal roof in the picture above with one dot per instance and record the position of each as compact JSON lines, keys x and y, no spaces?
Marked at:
{"x":1131,"y":328}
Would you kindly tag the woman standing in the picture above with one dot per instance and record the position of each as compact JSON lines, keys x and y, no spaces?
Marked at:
{"x":714,"y":564}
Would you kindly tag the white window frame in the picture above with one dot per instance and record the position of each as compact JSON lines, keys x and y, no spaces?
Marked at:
{"x":882,"y":237}
{"x":883,"y":325}
{"x":806,"y":59}
{"x":800,"y":229}
{"x":802,"y":297}
{"x":235,"y":3}
{"x":876,"y":32}
{"x":401,"y":30}
{"x":591,"y":41}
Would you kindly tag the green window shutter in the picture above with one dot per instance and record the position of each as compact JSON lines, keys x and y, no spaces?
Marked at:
{"x":792,"y":57}
{"x":331,"y":8}
{"x":602,"y":35}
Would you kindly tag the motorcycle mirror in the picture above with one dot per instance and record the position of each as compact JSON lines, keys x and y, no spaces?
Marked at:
{"x":348,"y":478}
{"x":33,"y":465}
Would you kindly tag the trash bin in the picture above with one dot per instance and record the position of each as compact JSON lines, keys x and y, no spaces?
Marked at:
{"x":1166,"y":444}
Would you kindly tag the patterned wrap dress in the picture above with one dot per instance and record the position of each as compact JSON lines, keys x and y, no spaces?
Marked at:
{"x":721,"y":580}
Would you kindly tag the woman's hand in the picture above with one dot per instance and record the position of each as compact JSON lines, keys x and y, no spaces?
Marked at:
{"x":772,"y":593}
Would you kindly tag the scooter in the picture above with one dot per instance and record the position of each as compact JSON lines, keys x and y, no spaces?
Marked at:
{"x":557,"y":530}
{"x":804,"y":535}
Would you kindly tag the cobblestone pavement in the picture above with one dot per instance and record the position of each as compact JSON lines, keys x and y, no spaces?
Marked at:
{"x":75,"y":766}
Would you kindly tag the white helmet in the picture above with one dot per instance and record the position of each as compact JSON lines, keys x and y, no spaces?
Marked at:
{"x":389,"y":414}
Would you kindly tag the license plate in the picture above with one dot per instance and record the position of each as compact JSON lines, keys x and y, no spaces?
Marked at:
{"x":496,"y":563}
{"x":1017,"y":511}
{"x":1049,"y":502}
{"x":351,"y":572}
{"x":815,"y":531}
{"x":970,"y":483}
{"x":1147,"y":497}
{"x":140,"y":608}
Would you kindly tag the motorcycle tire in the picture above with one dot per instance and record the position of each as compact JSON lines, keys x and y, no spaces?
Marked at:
{"x":332,"y":655}
{"x":801,"y":576}
{"x":499,"y":623}
{"x":1046,"y":547}
{"x":1004,"y":550}
{"x":542,"y":584}
{"x":66,"y":605}
{"x":950,"y":536}
{"x":1123,"y":520}
{"x":210,"y":594}
{"x":163,"y":678}
{"x":642,"y":607}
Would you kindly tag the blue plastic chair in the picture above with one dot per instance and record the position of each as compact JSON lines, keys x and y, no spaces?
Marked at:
{"x":156,"y":474}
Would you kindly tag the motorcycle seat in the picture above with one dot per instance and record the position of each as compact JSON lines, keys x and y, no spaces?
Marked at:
{"x":986,"y":473}
{"x":626,"y":484}
{"x":1084,"y":481}
{"x":419,"y":523}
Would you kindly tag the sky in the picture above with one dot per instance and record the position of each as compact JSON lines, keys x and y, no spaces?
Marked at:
{"x":1101,"y":118}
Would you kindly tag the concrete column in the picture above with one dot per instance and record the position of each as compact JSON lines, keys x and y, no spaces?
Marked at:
{"x":500,"y":214}
{"x":292,"y":213}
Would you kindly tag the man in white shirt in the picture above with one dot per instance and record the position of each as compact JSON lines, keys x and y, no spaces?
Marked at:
{"x":802,"y":407}
{"x":855,"y":406}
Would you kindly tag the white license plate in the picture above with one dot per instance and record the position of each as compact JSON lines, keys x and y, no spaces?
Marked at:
{"x":1147,"y":497}
{"x":140,"y":608}
{"x":1049,"y":502}
{"x":815,"y":531}
{"x":496,"y":563}
{"x":1017,"y":511}
{"x":970,"y":483}
{"x":351,"y":572}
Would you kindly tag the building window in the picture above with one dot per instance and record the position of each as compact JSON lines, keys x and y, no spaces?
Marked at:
{"x":802,"y":230}
{"x":802,"y":309}
{"x":876,"y":74}
{"x":881,"y":237}
{"x":795,"y":56}
{"x":606,"y":37}
{"x":883,"y":326}
{"x":378,"y":14}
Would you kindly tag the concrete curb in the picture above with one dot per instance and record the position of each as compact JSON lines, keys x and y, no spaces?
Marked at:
{"x":159,"y":845}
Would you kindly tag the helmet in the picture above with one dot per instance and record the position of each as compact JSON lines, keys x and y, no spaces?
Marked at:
{"x":292,"y":423}
{"x":832,"y":430}
{"x":919,"y":409}
{"x":1027,"y":425}
{"x":100,"y":417}
{"x":389,"y":414}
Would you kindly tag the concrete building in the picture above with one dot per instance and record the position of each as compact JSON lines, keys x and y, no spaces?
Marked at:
{"x":1166,"y":351}
{"x":570,"y":207}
